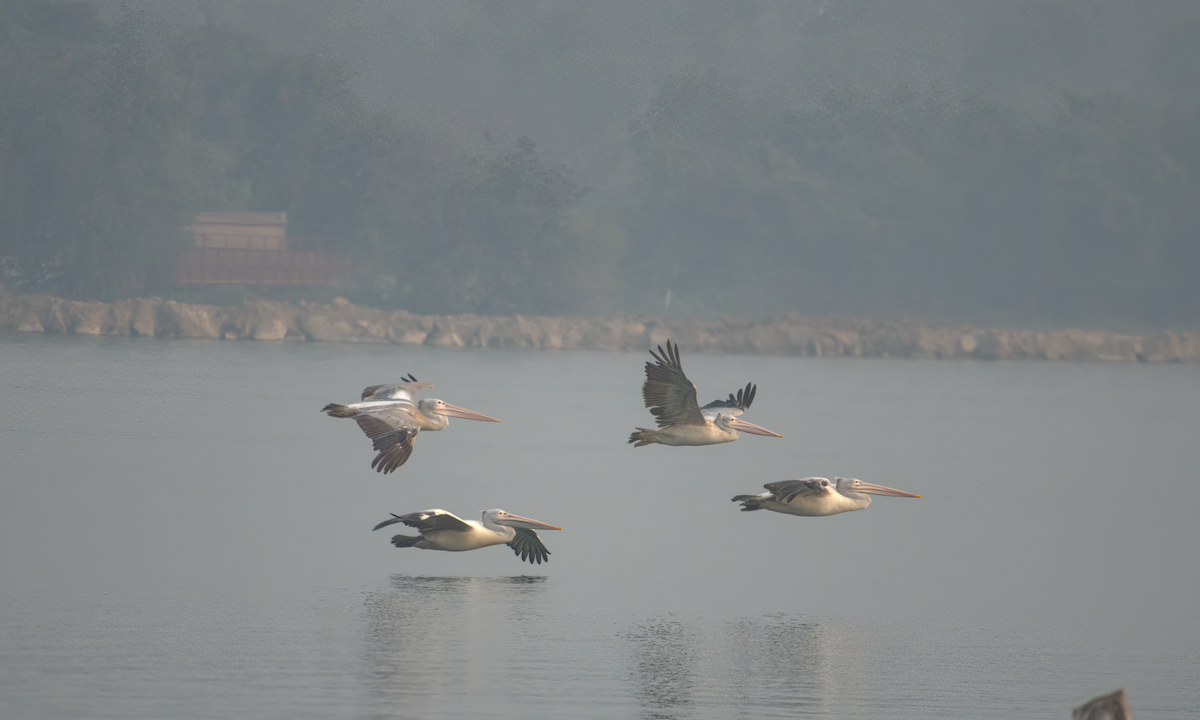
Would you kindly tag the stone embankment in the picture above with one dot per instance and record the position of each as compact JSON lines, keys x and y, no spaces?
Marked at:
{"x":342,"y":321}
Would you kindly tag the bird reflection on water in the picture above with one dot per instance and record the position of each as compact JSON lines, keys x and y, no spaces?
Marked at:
{"x":665,"y":666}
{"x":781,"y":663}
{"x":775,"y":663}
{"x":433,"y":640}
{"x":456,"y":584}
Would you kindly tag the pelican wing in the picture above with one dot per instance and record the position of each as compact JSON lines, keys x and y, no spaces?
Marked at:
{"x":393,"y":440}
{"x":668,"y":393}
{"x":398,"y":391}
{"x":787,"y":490}
{"x":427,"y":520}
{"x":741,"y":401}
{"x":529,"y":546}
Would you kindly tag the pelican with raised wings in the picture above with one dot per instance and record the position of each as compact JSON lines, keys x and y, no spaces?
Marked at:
{"x":392,"y":417}
{"x":440,"y":530}
{"x":671,"y":398}
{"x":817,"y":496}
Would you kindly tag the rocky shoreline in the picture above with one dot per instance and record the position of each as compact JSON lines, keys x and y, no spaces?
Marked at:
{"x":342,"y":321}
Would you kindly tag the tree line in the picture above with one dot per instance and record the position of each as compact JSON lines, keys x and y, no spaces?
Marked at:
{"x":915,"y":202}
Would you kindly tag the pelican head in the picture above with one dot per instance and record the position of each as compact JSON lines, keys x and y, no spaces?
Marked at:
{"x":731,"y":421}
{"x":499,"y":517}
{"x":433,"y":406}
{"x":847,"y":486}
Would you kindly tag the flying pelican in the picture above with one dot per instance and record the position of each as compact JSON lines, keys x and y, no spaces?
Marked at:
{"x":391,"y":417}
{"x":817,"y":496}
{"x":440,"y":530}
{"x":671,"y":398}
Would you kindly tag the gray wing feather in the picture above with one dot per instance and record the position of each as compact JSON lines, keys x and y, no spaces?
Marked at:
{"x":430,"y":520}
{"x":668,"y":393}
{"x":787,"y":490}
{"x":528,"y":546}
{"x":394,"y":443}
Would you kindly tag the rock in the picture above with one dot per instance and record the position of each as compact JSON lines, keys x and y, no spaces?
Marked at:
{"x":1024,"y":345}
{"x":939,"y":342}
{"x":49,"y":313}
{"x":522,"y":333}
{"x":323,"y":327}
{"x":442,"y":336}
{"x":270,"y":321}
{"x":342,"y":321}
{"x":18,"y":316}
{"x":189,"y":321}
{"x":573,"y":335}
{"x":828,"y":345}
{"x":86,"y":318}
{"x":120,"y":318}
{"x":1190,"y":344}
{"x":617,"y":335}
{"x":144,"y":320}
{"x":1112,"y":347}
{"x":891,"y":341}
{"x":849,"y":343}
{"x":1162,"y":346}
{"x":993,"y":345}
{"x":404,"y":329}
{"x":269,"y":329}
{"x":1057,"y":346}
{"x":967,"y":344}
{"x":658,"y":334}
{"x":781,"y":336}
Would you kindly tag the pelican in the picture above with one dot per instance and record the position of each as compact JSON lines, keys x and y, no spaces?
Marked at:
{"x":816,"y":496}
{"x":391,"y":417}
{"x":671,"y":398}
{"x":440,"y":530}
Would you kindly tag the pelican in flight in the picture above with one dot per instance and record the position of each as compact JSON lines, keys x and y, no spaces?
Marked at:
{"x":671,"y":398}
{"x":391,"y":417}
{"x":440,"y":530}
{"x":817,"y":496}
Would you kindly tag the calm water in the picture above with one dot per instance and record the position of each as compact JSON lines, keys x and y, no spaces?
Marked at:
{"x":184,"y":535}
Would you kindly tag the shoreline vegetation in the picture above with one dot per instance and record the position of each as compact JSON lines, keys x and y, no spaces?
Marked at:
{"x":342,"y":321}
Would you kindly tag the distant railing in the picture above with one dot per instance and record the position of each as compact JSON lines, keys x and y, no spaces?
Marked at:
{"x":270,"y":267}
{"x":324,"y":243}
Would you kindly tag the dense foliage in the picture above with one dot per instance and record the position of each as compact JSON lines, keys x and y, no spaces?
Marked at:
{"x":916,"y":201}
{"x":113,"y":134}
{"x":920,"y":203}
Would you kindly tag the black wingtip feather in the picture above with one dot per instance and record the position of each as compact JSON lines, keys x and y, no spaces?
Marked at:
{"x":668,"y":357}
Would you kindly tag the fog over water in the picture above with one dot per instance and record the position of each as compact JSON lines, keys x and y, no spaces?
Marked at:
{"x":184,"y":534}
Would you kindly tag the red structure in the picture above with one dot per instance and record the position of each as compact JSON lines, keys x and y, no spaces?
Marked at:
{"x":251,"y":248}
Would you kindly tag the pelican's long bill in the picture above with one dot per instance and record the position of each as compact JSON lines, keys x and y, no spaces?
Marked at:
{"x":866,"y":487}
{"x":506,"y":518}
{"x":749,"y":427}
{"x":455,"y":411}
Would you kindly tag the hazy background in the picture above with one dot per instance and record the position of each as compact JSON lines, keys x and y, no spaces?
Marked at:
{"x":1023,"y":163}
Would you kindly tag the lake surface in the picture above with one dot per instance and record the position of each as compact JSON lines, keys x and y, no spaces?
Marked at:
{"x":183,"y":535}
